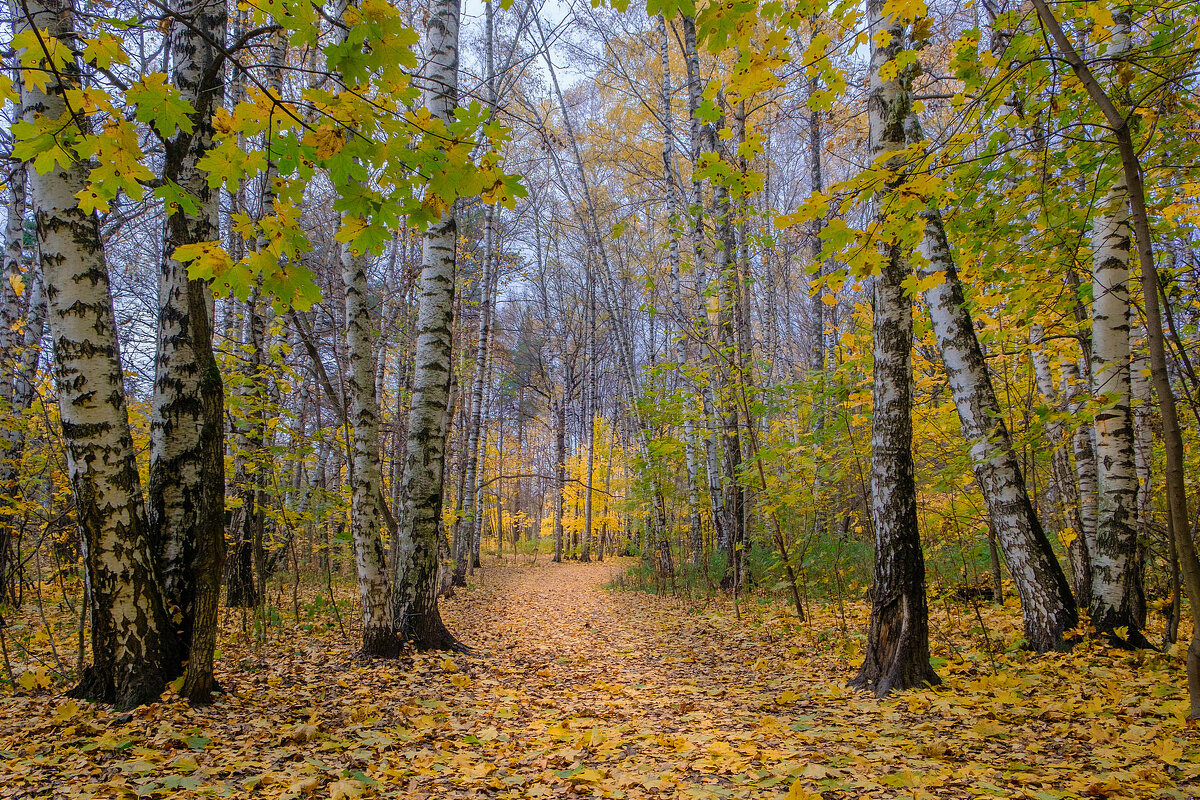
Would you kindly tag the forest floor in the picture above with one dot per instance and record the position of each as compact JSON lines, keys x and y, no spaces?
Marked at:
{"x":573,"y":689}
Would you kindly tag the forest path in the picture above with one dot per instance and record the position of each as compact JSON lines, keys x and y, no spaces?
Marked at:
{"x":575,"y":690}
{"x":625,"y":692}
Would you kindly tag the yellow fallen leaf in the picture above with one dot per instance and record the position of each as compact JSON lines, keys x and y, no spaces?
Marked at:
{"x":798,"y":792}
{"x":345,"y":790}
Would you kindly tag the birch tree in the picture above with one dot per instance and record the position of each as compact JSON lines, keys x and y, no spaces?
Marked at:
{"x":366,"y":471}
{"x":131,"y":641}
{"x":186,"y":489}
{"x":897,"y":651}
{"x":414,"y":598}
{"x":1112,"y":560}
{"x":1046,"y":601}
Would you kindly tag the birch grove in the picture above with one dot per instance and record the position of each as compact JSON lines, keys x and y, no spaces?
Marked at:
{"x":822,"y":305}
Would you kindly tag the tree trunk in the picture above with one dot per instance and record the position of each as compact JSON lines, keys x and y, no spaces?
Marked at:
{"x":1046,"y":602}
{"x":415,"y":608}
{"x":130,"y":630}
{"x":186,"y":489}
{"x":701,"y":136}
{"x":465,"y":549}
{"x":1080,"y":550}
{"x":12,"y":434}
{"x":816,"y":361}
{"x":560,"y":474}
{"x":247,"y":520}
{"x":897,"y":652}
{"x":1113,"y":560}
{"x":1143,"y":440}
{"x":589,"y":418}
{"x":683,"y":355}
{"x":366,"y":474}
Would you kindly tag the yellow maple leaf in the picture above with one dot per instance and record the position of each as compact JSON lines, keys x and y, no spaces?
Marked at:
{"x":798,"y":792}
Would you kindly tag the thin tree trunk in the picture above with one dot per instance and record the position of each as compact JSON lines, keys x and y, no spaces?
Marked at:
{"x":589,"y":417}
{"x":1046,"y":601}
{"x":700,"y":136}
{"x":683,"y":354}
{"x":817,"y":358}
{"x":1080,"y":550}
{"x":560,"y":474}
{"x":1143,"y":440}
{"x":12,"y":434}
{"x":466,"y":542}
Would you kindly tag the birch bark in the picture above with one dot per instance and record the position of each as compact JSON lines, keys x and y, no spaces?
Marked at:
{"x":1113,"y":559}
{"x":683,"y":355}
{"x":1046,"y":602}
{"x":186,"y":488}
{"x":897,"y":652}
{"x":414,"y":598}
{"x":366,"y":470}
{"x":130,"y":630}
{"x":12,"y":431}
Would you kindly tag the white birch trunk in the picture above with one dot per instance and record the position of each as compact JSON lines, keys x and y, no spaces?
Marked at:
{"x":683,"y":355}
{"x":1113,"y":560}
{"x":366,"y":470}
{"x":12,"y":428}
{"x":366,"y":475}
{"x":1046,"y":601}
{"x":1085,"y":482}
{"x":415,"y":609}
{"x":129,"y":627}
{"x":1114,"y":564}
{"x":1142,"y":396}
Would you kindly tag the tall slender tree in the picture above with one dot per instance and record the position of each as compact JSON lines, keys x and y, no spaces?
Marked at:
{"x":414,"y":596}
{"x":186,"y":488}
{"x":897,"y":652}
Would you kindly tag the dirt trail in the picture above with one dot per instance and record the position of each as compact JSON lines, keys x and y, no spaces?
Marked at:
{"x":574,"y":690}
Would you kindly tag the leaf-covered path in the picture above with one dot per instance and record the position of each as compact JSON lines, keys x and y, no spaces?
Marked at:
{"x":575,"y":690}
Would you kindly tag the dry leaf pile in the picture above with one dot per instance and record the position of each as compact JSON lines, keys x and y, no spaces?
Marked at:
{"x":573,"y":690}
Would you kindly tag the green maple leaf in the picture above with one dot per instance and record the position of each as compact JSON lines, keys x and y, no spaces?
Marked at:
{"x":161,"y":105}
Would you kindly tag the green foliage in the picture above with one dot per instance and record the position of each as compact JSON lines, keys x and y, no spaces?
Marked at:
{"x":363,"y":126}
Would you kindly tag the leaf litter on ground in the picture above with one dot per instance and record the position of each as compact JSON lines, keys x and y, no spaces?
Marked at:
{"x":574,"y":690}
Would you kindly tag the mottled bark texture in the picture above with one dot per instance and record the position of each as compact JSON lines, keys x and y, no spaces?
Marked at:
{"x":701,"y":136}
{"x":464,"y":540}
{"x":897,"y":651}
{"x":414,"y":597}
{"x":186,"y":489}
{"x":130,"y":631}
{"x":366,"y":471}
{"x":1062,"y":500}
{"x":682,"y":319}
{"x":12,"y":426}
{"x":1080,"y":551}
{"x":1113,"y":560}
{"x":1047,"y":604}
